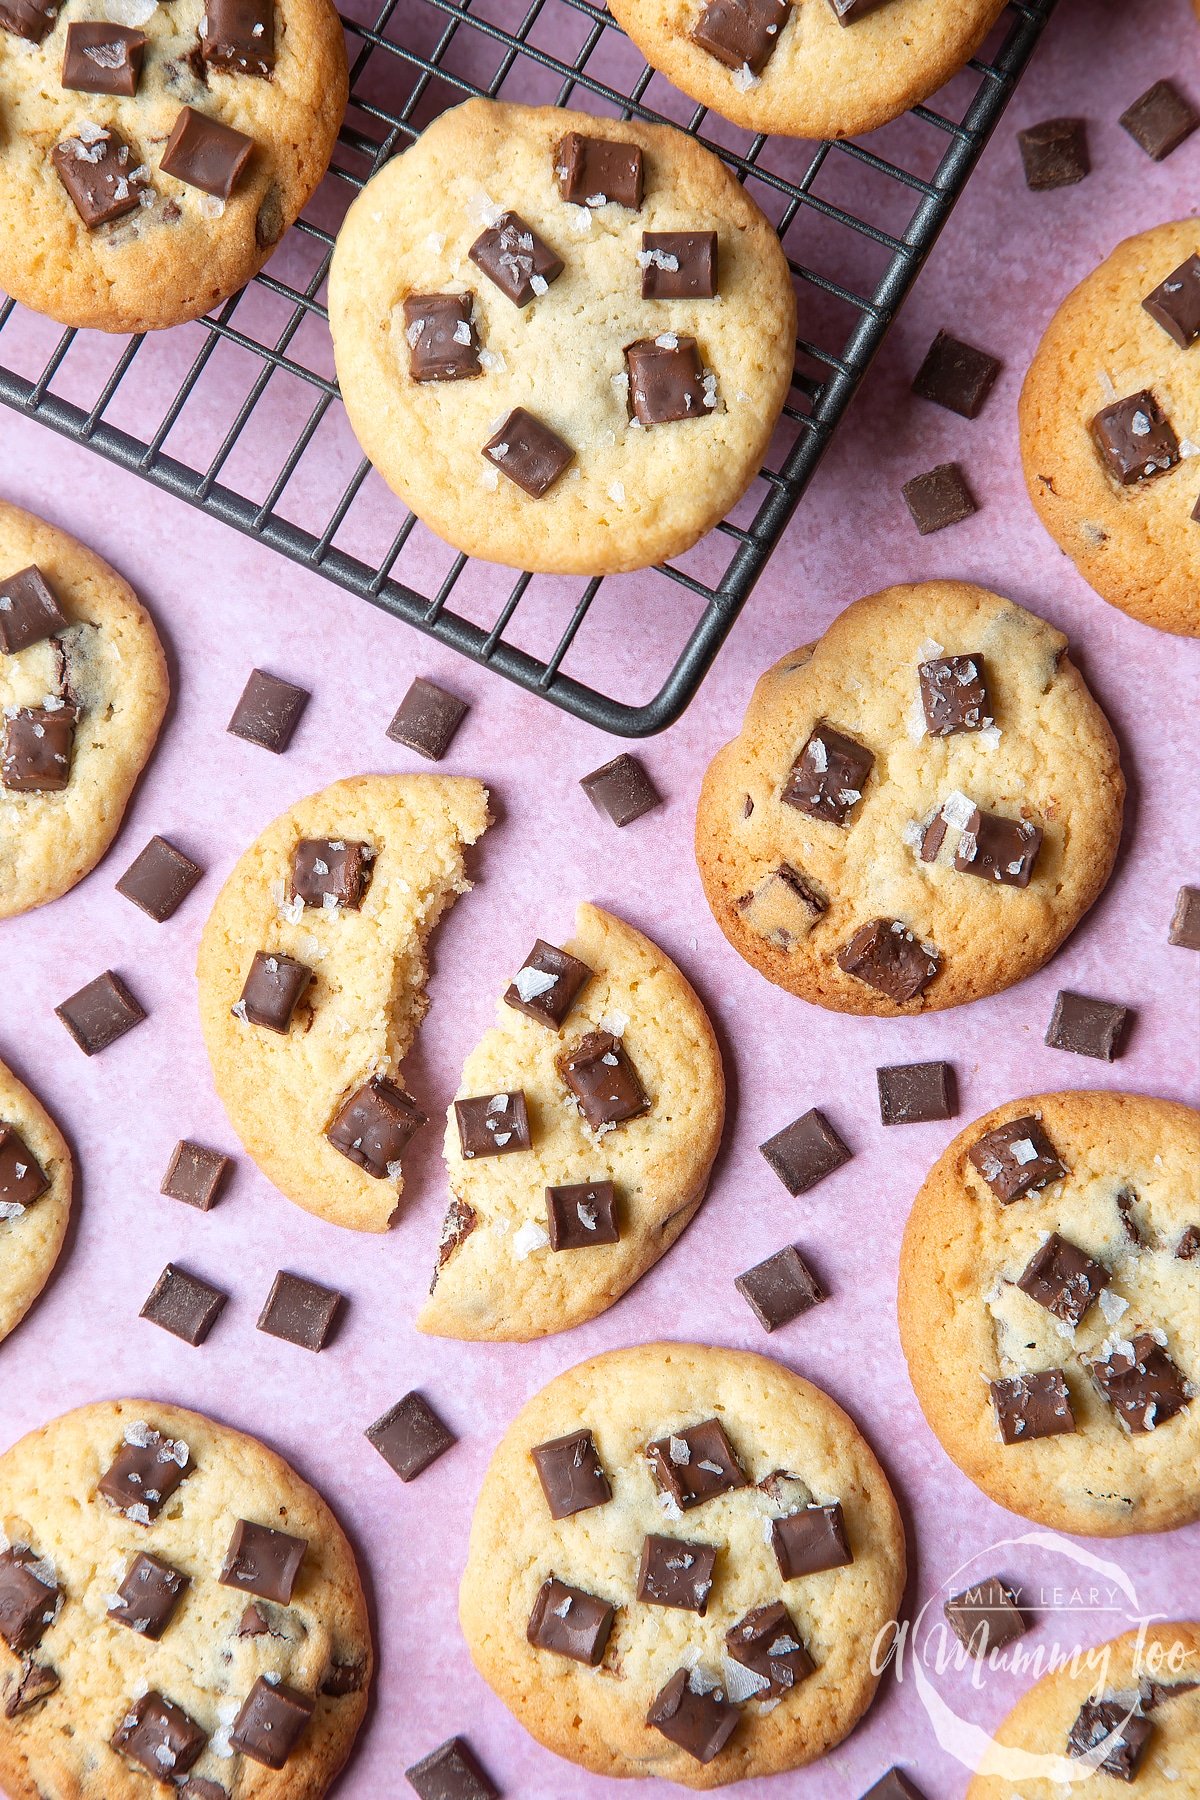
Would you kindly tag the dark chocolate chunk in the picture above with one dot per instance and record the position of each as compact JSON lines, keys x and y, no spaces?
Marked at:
{"x":547,"y":984}
{"x":31,"y":1684}
{"x":678,"y":265}
{"x":492,"y":1124}
{"x":1055,"y":153}
{"x":939,"y":498}
{"x":805,"y":1151}
{"x":375,"y":1125}
{"x":768,"y":1643}
{"x":698,"y":1718}
{"x":621,"y":790}
{"x":144,"y":1473}
{"x":101,"y":174}
{"x":38,"y":744}
{"x":1175,"y":303}
{"x":1017,"y":1158}
{"x":342,"y":1678}
{"x":457,"y":1226}
{"x":1185,"y":920}
{"x":263,"y":1561}
{"x":148,"y":1596}
{"x":1188,"y":1247}
{"x":442,"y":345}
{"x":195,"y":1175}
{"x":810,"y":1540}
{"x":1160,"y":119}
{"x":1063,"y":1278}
{"x":300,"y":1311}
{"x":528,"y":452}
{"x":28,"y":19}
{"x":331,"y":873}
{"x":998,"y":849}
{"x":1135,"y":439}
{"x":271,"y":1723}
{"x":933,"y":836}
{"x":253,"y":1623}
{"x":159,"y":1736}
{"x":160,"y":879}
{"x":22,"y":1178}
{"x":666,"y":380}
{"x":103,"y":59}
{"x":410,"y":1436}
{"x":268,"y":712}
{"x":29,"y":610}
{"x":199,"y":1787}
{"x":582,"y":1214}
{"x":675,"y":1572}
{"x":599,"y":1072}
{"x":427,"y":719}
{"x":895,"y":1785}
{"x":183,"y":1304}
{"x":1088,"y":1027}
{"x":451,"y":1772}
{"x":1141,"y":1383}
{"x":29,"y":1597}
{"x":954,"y":695}
{"x":914,"y":1093}
{"x":570,"y":1622}
{"x":1124,"y":1733}
{"x":205,"y":153}
{"x":985,"y":1617}
{"x":956,"y":375}
{"x":779,"y":1289}
{"x":598,"y":171}
{"x":849,"y":12}
{"x":100,"y":1013}
{"x":571,"y":1474}
{"x":272,"y":990}
{"x":741,"y":33}
{"x":783,"y":907}
{"x":511,"y":254}
{"x":239,"y":36}
{"x":828,"y":777}
{"x":695,"y":1464}
{"x":888,"y":957}
{"x":1032,"y":1406}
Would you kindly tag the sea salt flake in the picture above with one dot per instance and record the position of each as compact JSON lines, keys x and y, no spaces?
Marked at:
{"x":957,"y":809}
{"x":741,"y":1683}
{"x":530,"y":983}
{"x":129,"y":12}
{"x":744,"y":79}
{"x":615,"y":1023}
{"x":1023,"y":1151}
{"x":529,"y":1237}
{"x":679,"y":1450}
{"x":435,"y":243}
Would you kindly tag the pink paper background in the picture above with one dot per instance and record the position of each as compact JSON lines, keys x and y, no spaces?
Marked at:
{"x":224,"y":605}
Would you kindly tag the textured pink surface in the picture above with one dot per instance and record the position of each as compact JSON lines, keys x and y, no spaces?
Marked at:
{"x":224,"y":605}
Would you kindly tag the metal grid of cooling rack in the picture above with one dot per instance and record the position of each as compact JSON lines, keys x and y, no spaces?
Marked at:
{"x":186,"y":408}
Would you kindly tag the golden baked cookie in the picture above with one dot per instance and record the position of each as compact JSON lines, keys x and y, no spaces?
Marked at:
{"x":83,"y":690}
{"x":35,"y":1198}
{"x":1110,"y":427}
{"x":496,"y":396}
{"x":312,"y":973}
{"x":155,"y":190}
{"x":1049,"y":1309}
{"x":918,"y":808}
{"x":176,"y":1602}
{"x":622,"y":1101}
{"x":680,"y":1561}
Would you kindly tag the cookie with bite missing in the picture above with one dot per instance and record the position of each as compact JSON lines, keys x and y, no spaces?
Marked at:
{"x":1049,"y":1309}
{"x":35,"y":1198}
{"x":679,"y":1562}
{"x":581,"y":1143}
{"x":918,"y":808}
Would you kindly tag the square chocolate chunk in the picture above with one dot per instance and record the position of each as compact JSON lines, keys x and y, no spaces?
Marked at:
{"x":528,"y":452}
{"x":159,"y":1736}
{"x":299,"y":1311}
{"x":22,"y":1178}
{"x":742,"y":34}
{"x":102,"y":176}
{"x":427,"y":719}
{"x":410,"y":1436}
{"x":1017,"y":1158}
{"x":268,"y":712}
{"x":1160,"y":119}
{"x":570,"y":1622}
{"x":601,"y":171}
{"x":939,"y":498}
{"x":184,"y":1305}
{"x":160,"y":879}
{"x":1135,"y":439}
{"x":1175,"y":303}
{"x":205,"y":153}
{"x":492,"y":1124}
{"x":100,"y":1013}
{"x":805,"y":1151}
{"x":849,"y":12}
{"x":512,"y":255}
{"x":768,"y":1643}
{"x":779,"y":1289}
{"x":915,"y":1093}
{"x":29,"y":1597}
{"x":699,"y":1719}
{"x":582,"y":1215}
{"x":675,"y":1572}
{"x":985,"y":1617}
{"x":956,"y":375}
{"x":195,"y":1175}
{"x":1124,"y":1733}
{"x":442,"y":345}
{"x":272,"y":991}
{"x":144,"y":1473}
{"x":998,"y":849}
{"x":678,"y":265}
{"x":1054,"y":154}
{"x":263,"y":1561}
{"x":895,"y":1785}
{"x":28,"y":1686}
{"x":374,"y":1125}
{"x":954,"y":695}
{"x":547,"y":984}
{"x":1185,"y":920}
{"x":148,"y":1596}
{"x":1141,"y":1383}
{"x":103,"y":59}
{"x":666,"y":380}
{"x":1088,"y":1027}
{"x":451,"y":1772}
{"x":1034,"y":1405}
{"x":271,"y":1723}
{"x":886,"y":955}
{"x":571,"y":1474}
{"x":695,"y":1464}
{"x":621,"y":790}
{"x":28,"y":19}
{"x":29,"y":610}
{"x":38,"y":745}
{"x":599,"y":1072}
{"x":828,"y":777}
{"x":239,"y":36}
{"x":811,"y":1540}
{"x":330,"y":873}
{"x":1064,"y":1279}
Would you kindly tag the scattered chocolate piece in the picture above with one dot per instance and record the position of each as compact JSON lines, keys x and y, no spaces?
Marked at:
{"x":915,"y":1093}
{"x":22,"y":1178}
{"x":144,"y":1473}
{"x":331,"y":873}
{"x":699,"y":1719}
{"x":29,"y":610}
{"x":569,"y":1622}
{"x":271,"y":1723}
{"x":895,"y":1785}
{"x":1054,"y":153}
{"x":342,"y":1678}
{"x":1088,"y":1027}
{"x":100,"y":1013}
{"x":666,"y":380}
{"x":1188,"y":1247}
{"x":427,"y":719}
{"x":451,"y":1772}
{"x":956,"y":375}
{"x":458,"y":1224}
{"x":805,"y":1151}
{"x":741,"y":33}
{"x":599,"y":171}
{"x":954,"y":695}
{"x":1064,"y":1279}
{"x":888,"y":957}
{"x":103,"y":178}
{"x":1160,"y":119}
{"x":581,"y":1215}
{"x":263,"y":1561}
{"x":268,"y":712}
{"x":621,"y":790}
{"x":849,"y":12}
{"x":34,"y":1683}
{"x":779,"y":1289}
{"x":998,"y":849}
{"x":1016,"y":1159}
{"x":302,"y":1312}
{"x":695,"y":1464}
{"x":828,"y":777}
{"x":1032,"y":1406}
{"x":272,"y":991}
{"x":239,"y":36}
{"x":1175,"y":303}
{"x":512,"y":255}
{"x":103,"y":59}
{"x":939,"y":498}
{"x":38,"y":744}
{"x":183,"y":1304}
{"x":1101,"y":1719}
{"x":29,"y":1597}
{"x":1185,"y":920}
{"x":148,"y":1596}
{"x":571,"y":1474}
{"x":410,"y":1436}
{"x":528,"y":452}
{"x":442,"y":344}
{"x":547,"y":984}
{"x":205,"y":153}
{"x":768,"y":1643}
{"x":675,"y":1572}
{"x":160,"y":879}
{"x":783,"y":908}
{"x":933,"y":835}
{"x":678,"y":265}
{"x":159,"y":1736}
{"x":28,"y":19}
{"x":600,"y":1074}
{"x":1141,"y":1383}
{"x":811,"y":1540}
{"x":1135,"y":439}
{"x":1126,"y":1201}
{"x":253,"y":1623}
{"x":195,"y":1175}
{"x":375,"y":1125}
{"x":492,"y":1124}
{"x":985,"y":1617}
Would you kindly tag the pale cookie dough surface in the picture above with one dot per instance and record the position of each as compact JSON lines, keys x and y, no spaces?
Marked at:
{"x":775,"y":1420}
{"x":31,"y":1239}
{"x":110,"y":662}
{"x":179,"y":256}
{"x":632,"y":496}
{"x":964,"y":1325}
{"x":823,"y":79}
{"x":362,"y":1009}
{"x":59,"y":1749}
{"x":1168,"y":1655}
{"x":1050,"y":758}
{"x":1138,"y":546}
{"x":503,"y":1280}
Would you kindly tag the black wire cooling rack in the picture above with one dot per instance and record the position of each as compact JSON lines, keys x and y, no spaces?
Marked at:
{"x":239,"y":413}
